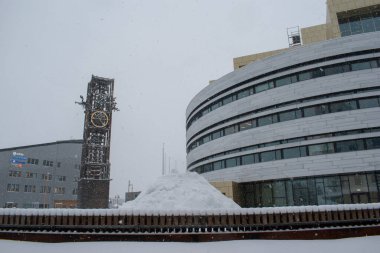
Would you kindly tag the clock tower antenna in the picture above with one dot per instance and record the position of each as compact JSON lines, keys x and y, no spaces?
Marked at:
{"x":94,"y":181}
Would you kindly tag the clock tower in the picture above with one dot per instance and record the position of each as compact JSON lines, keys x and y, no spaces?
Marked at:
{"x":94,"y":181}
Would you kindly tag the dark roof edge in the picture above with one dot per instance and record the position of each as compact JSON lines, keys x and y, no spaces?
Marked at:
{"x":43,"y":144}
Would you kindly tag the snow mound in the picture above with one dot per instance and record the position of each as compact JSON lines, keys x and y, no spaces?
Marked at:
{"x":188,"y":191}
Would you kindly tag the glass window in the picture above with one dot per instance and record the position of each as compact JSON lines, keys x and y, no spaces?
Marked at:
{"x":216,"y":105}
{"x":368,"y":103}
{"x":367,"y":23}
{"x":231,"y":162}
{"x":373,"y":64}
{"x":247,"y":159}
{"x":320,"y":149}
{"x":207,"y":110}
{"x":333,"y":70}
{"x":207,"y":167}
{"x":267,"y":120}
{"x":228,"y":99}
{"x":376,"y":19}
{"x":218,"y":165}
{"x":279,"y":193}
{"x":283,"y":81}
{"x":268,"y":156}
{"x":315,"y":110}
{"x":333,"y":191}
{"x":245,"y":125}
{"x":300,"y":192}
{"x":261,"y":87}
{"x":343,"y":106}
{"x":344,"y":27}
{"x":358,"y":184}
{"x":289,"y":115}
{"x":318,"y":72}
{"x":291,"y":152}
{"x":372,"y":187}
{"x":243,"y":93}
{"x":207,"y":138}
{"x":216,"y":135}
{"x":355,"y":25}
{"x":230,"y":130}
{"x":351,"y":145}
{"x":305,"y":76}
{"x":360,"y":65}
{"x":373,"y":143}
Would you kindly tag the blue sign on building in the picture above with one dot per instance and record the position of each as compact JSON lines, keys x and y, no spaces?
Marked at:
{"x":18,"y":158}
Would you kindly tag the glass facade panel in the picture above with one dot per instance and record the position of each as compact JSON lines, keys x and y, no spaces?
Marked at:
{"x":319,"y":149}
{"x":321,"y":190}
{"x":261,"y":87}
{"x":232,"y":162}
{"x":218,"y":165}
{"x":355,"y":25}
{"x":373,"y":143}
{"x":228,"y":100}
{"x":315,"y":110}
{"x":230,"y":130}
{"x":376,"y":20}
{"x":243,"y":93}
{"x":367,"y":23}
{"x":372,"y":187}
{"x":344,"y":27}
{"x":291,"y":153}
{"x":267,"y":197}
{"x":305,"y":76}
{"x":283,"y":81}
{"x":216,"y":105}
{"x":247,"y":159}
{"x":343,"y":106}
{"x":351,"y":145}
{"x":267,"y":120}
{"x":368,"y":103}
{"x":289,"y":115}
{"x":216,"y":135}
{"x":360,"y":65}
{"x":333,"y":70}
{"x":268,"y":156}
{"x":246,"y":125}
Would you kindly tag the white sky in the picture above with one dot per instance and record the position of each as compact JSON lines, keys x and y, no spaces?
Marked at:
{"x":160,"y":53}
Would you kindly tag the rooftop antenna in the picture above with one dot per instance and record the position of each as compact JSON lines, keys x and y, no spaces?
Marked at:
{"x":294,"y":36}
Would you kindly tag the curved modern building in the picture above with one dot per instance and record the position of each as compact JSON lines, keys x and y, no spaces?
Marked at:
{"x":301,"y":127}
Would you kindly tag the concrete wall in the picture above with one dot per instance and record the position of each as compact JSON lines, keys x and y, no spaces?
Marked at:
{"x":333,"y":122}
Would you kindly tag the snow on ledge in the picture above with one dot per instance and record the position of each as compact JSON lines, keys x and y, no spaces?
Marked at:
{"x":243,"y":211}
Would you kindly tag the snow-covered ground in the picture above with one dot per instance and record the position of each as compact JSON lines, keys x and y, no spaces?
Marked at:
{"x":188,"y":191}
{"x":351,"y":245}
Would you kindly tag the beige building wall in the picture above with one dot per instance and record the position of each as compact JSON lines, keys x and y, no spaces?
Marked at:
{"x":339,"y":6}
{"x":317,"y":33}
{"x":230,"y":189}
{"x":314,"y":34}
{"x":335,"y":9}
{"x":240,"y":62}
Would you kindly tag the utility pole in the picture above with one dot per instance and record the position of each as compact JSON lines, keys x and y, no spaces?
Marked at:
{"x":163,"y":158}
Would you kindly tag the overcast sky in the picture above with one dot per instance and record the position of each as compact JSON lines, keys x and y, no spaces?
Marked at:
{"x":160,"y":53}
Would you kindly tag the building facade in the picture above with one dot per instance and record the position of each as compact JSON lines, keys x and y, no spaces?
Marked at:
{"x":300,"y":127}
{"x":40,"y":176}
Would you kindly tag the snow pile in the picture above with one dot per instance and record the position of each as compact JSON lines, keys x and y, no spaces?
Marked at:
{"x":181,"y":192}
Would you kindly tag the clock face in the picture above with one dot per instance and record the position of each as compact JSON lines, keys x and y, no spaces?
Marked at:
{"x":99,"y":119}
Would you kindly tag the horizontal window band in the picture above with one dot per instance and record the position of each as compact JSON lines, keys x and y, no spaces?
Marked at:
{"x":288,"y":103}
{"x":286,"y":141}
{"x":293,"y":152}
{"x":303,"y":112}
{"x":286,"y":80}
